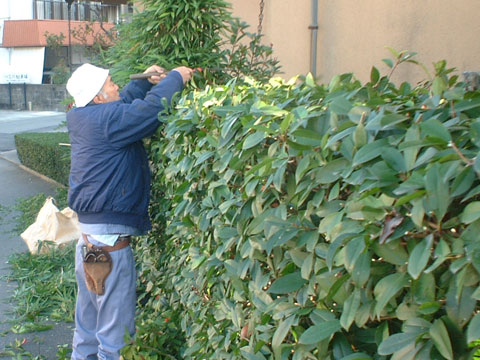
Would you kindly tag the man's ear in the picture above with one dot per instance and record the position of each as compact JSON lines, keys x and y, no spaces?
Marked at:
{"x":99,"y":99}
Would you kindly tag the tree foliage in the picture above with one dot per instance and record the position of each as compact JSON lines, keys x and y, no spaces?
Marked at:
{"x":296,"y":220}
{"x":199,"y":33}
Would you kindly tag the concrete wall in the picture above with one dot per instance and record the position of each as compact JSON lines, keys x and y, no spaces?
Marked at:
{"x":33,"y":97}
{"x":353,"y":35}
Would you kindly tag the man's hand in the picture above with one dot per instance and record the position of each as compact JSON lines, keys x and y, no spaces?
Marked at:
{"x":155,"y":79}
{"x":186,"y":73}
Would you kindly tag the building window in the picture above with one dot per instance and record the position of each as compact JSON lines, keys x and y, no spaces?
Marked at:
{"x":80,"y":10}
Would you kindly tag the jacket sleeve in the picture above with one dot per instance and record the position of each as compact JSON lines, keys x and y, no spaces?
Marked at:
{"x":136,"y":89}
{"x":126,"y":123}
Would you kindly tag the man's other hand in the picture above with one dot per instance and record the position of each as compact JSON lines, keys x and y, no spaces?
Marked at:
{"x":155,"y":79}
{"x":186,"y":73}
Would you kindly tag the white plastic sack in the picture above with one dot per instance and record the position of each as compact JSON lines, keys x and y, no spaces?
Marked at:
{"x":57,"y":227}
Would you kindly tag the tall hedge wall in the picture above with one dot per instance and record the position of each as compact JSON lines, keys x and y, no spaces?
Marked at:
{"x":302,"y":221}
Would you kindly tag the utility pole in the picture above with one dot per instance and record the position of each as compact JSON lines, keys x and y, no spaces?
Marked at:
{"x":69,"y":2}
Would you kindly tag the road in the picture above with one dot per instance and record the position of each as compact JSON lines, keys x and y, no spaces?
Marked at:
{"x":15,"y":183}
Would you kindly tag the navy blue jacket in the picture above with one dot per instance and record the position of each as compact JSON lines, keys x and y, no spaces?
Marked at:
{"x":109,"y":174}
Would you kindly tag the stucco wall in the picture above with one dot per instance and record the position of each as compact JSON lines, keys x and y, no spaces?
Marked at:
{"x":353,"y":35}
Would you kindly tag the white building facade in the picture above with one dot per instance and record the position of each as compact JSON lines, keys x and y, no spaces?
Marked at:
{"x":23,"y":24}
{"x":22,"y":64}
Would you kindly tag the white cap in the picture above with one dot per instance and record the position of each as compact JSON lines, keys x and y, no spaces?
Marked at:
{"x":85,"y":83}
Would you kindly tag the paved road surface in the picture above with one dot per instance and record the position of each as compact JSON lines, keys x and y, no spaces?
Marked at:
{"x":16,"y":183}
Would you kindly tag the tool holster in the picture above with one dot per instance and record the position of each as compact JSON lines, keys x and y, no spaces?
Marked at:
{"x":97,"y":263}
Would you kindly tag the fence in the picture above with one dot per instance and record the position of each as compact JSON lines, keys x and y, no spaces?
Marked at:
{"x":32,"y":97}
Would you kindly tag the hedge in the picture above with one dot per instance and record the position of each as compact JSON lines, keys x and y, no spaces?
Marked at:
{"x":297,"y":220}
{"x":41,"y":152}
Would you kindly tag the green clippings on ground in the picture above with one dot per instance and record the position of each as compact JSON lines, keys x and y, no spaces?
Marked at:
{"x":30,"y":327}
{"x":64,"y":352}
{"x":46,"y":285}
{"x":46,"y":288}
{"x":16,"y":350}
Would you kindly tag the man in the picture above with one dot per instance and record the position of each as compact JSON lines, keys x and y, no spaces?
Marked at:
{"x":109,"y":190}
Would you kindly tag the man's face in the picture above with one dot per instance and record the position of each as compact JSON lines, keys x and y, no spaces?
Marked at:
{"x":108,"y":93}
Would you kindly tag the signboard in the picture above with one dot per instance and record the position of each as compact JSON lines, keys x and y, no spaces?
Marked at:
{"x":16,"y":78}
{"x":21,"y":65}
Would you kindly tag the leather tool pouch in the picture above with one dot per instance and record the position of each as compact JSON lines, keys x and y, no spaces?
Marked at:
{"x":97,"y":264}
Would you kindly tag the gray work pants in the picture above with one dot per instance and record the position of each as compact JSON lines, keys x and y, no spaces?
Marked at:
{"x":101,"y":320}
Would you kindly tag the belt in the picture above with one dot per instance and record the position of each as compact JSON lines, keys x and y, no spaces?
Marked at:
{"x":122,"y":242}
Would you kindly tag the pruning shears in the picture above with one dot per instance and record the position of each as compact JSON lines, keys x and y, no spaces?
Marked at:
{"x":156,"y":73}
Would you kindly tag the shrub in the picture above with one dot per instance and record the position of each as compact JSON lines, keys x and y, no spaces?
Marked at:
{"x":41,"y":152}
{"x":200,"y":33}
{"x":302,"y":221}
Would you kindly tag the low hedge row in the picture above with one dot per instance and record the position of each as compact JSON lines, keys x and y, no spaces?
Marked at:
{"x":297,"y":220}
{"x":41,"y":152}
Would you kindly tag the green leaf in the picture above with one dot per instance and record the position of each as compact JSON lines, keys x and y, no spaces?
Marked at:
{"x":471,"y":212}
{"x":204,"y":157}
{"x":282,"y":330}
{"x":360,"y":136}
{"x":369,"y":151}
{"x":396,"y":342}
{"x":302,"y":167}
{"x":410,"y":154}
{"x":341,"y":347}
{"x":473,"y":331}
{"x":253,"y":140}
{"x":307,"y":267}
{"x":418,"y":212}
{"x":309,"y":80}
{"x":388,"y":62}
{"x":429,"y":308}
{"x":287,"y":284}
{"x":374,"y":75}
{"x":357,"y":356}
{"x":317,"y":333}
{"x":424,"y":289}
{"x":330,"y":172}
{"x":436,"y":129}
{"x":386,"y":288}
{"x":394,"y":52}
{"x":340,"y":105}
{"x":278,"y":177}
{"x":361,"y":270}
{"x":228,"y":125}
{"x":388,"y":121}
{"x":439,"y":86}
{"x":463,"y":182}
{"x":286,"y":122}
{"x":438,"y":196}
{"x":260,"y":108}
{"x":439,"y":335}
{"x":419,"y":257}
{"x":350,"y":308}
{"x":353,"y":250}
{"x":392,"y":252}
{"x":248,"y":354}
{"x":308,"y":137}
{"x":395,"y":159}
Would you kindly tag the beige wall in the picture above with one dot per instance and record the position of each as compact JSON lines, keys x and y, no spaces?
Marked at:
{"x":353,"y":35}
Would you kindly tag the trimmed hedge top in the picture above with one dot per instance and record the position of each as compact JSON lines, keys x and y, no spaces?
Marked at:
{"x":41,"y":152}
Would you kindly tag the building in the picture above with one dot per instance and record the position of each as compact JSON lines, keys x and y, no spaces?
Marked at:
{"x":329,"y":37}
{"x":25,"y":54}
